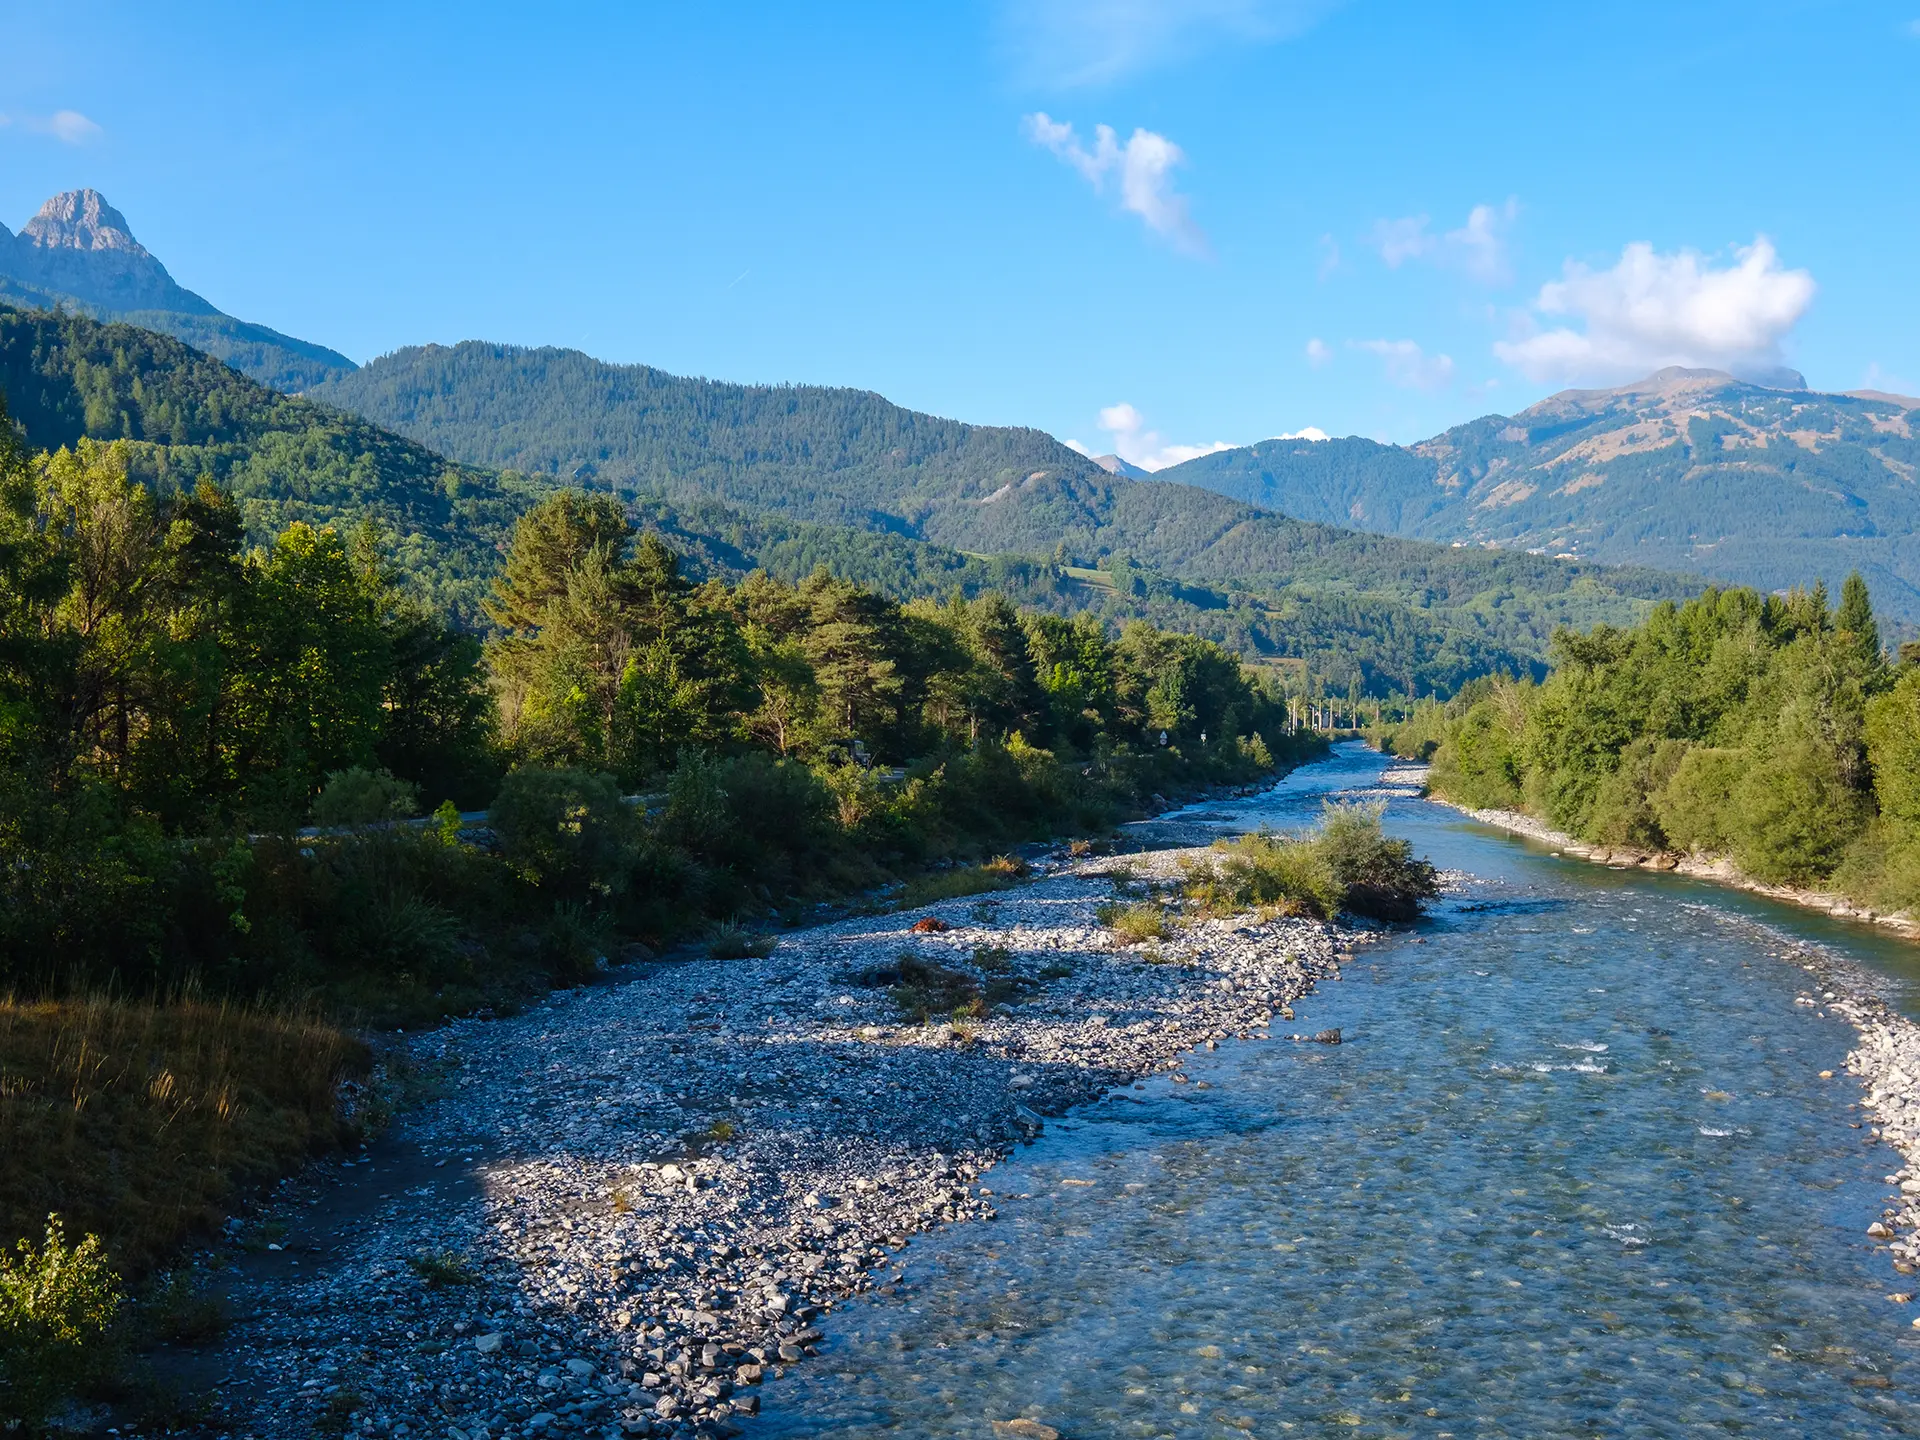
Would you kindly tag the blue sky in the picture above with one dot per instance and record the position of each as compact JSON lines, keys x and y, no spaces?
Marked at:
{"x":1365,"y":218}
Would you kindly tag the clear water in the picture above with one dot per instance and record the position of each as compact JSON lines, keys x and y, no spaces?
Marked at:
{"x":1574,"y":1173}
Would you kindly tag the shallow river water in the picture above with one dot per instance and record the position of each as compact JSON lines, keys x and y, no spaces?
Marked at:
{"x":1573,"y":1173}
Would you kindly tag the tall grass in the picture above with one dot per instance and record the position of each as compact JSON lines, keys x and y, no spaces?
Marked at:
{"x":139,"y":1122}
{"x":1347,"y":863}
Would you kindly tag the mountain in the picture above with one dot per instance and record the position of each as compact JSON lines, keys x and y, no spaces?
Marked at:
{"x":80,"y":254}
{"x":1686,"y":469}
{"x":185,"y":417}
{"x":1114,"y":465}
{"x":837,"y":457}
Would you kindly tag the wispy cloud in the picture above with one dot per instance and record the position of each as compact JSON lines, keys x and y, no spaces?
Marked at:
{"x":69,"y":127}
{"x":1092,"y":42}
{"x":1143,"y":168}
{"x":1478,"y":248}
{"x":1130,"y":439}
{"x":1408,"y":365}
{"x":1651,"y":310}
{"x":1318,"y":353}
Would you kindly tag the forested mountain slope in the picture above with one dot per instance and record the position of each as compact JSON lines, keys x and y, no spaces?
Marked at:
{"x":79,"y":254}
{"x":833,"y":455}
{"x":186,"y":417}
{"x":1687,"y":469}
{"x":850,"y":457}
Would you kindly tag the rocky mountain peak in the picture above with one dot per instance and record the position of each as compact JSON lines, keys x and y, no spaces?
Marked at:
{"x":82,"y":220}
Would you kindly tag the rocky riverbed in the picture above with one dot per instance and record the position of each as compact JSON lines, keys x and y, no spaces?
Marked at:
{"x":1887,"y":1059}
{"x":631,"y":1206}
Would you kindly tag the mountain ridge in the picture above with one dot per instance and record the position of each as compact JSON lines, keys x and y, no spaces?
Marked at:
{"x":79,"y":253}
{"x":1692,"y":470}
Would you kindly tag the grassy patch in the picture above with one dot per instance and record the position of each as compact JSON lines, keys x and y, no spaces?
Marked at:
{"x":925,"y":990}
{"x":952,"y":885}
{"x":140,"y":1122}
{"x":444,"y":1268}
{"x":732,"y":941}
{"x":1134,"y":923}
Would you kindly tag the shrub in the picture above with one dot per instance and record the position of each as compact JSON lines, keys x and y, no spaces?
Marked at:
{"x":1349,"y":863}
{"x":357,"y":796}
{"x":925,"y":989}
{"x":1377,"y":876}
{"x":443,"y":1268}
{"x":1136,"y":924}
{"x":57,"y":1302}
{"x":565,"y":830}
{"x":1266,"y":870}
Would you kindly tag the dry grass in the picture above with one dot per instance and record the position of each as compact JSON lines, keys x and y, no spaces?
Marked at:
{"x":139,"y":1122}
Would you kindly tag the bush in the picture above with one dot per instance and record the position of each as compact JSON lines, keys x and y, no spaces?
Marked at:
{"x":1349,"y":863}
{"x":364,"y":797}
{"x":1135,"y":924}
{"x":57,"y":1303}
{"x":1378,"y":876}
{"x":1267,"y":871}
{"x":565,"y":830}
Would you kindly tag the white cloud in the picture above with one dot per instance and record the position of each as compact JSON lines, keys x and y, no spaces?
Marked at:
{"x":1134,"y":443}
{"x":1399,"y":241}
{"x":1092,"y":42}
{"x":67,"y":126}
{"x":1308,"y":432}
{"x":70,"y":126}
{"x":1318,"y":353}
{"x":1407,"y":364}
{"x":1479,"y":247}
{"x":1144,"y":170}
{"x":1652,"y":310}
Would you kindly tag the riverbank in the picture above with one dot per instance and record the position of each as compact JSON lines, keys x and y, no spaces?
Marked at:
{"x":632,"y":1202}
{"x":1717,"y":869}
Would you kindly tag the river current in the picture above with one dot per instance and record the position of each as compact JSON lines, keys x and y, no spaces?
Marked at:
{"x":1574,"y":1172}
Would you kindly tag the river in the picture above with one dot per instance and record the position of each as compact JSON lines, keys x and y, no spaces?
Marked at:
{"x":1575,"y":1172}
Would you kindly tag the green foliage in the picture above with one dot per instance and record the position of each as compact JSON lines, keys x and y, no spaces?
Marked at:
{"x":1764,"y":728}
{"x":1347,"y":863}
{"x":57,"y":1302}
{"x":357,"y":796}
{"x":564,"y":830}
{"x":1134,"y":923}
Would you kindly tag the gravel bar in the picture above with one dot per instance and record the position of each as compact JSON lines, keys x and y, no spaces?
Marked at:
{"x":631,"y":1205}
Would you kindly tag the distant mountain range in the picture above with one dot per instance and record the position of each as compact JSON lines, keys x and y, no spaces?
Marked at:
{"x":1687,"y":469}
{"x":852,"y":458}
{"x":79,"y":254}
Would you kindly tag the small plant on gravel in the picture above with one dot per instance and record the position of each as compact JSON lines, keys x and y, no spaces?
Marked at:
{"x":622,"y":1201}
{"x":721,"y":1131}
{"x":1008,"y":867}
{"x":57,"y":1305}
{"x":992,"y":959}
{"x":925,"y":990}
{"x":1135,"y":923}
{"x":339,"y":1411}
{"x":443,"y":1268}
{"x":1055,"y":970}
{"x":177,"y":1309}
{"x":987,"y":912}
{"x":730,"y":940}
